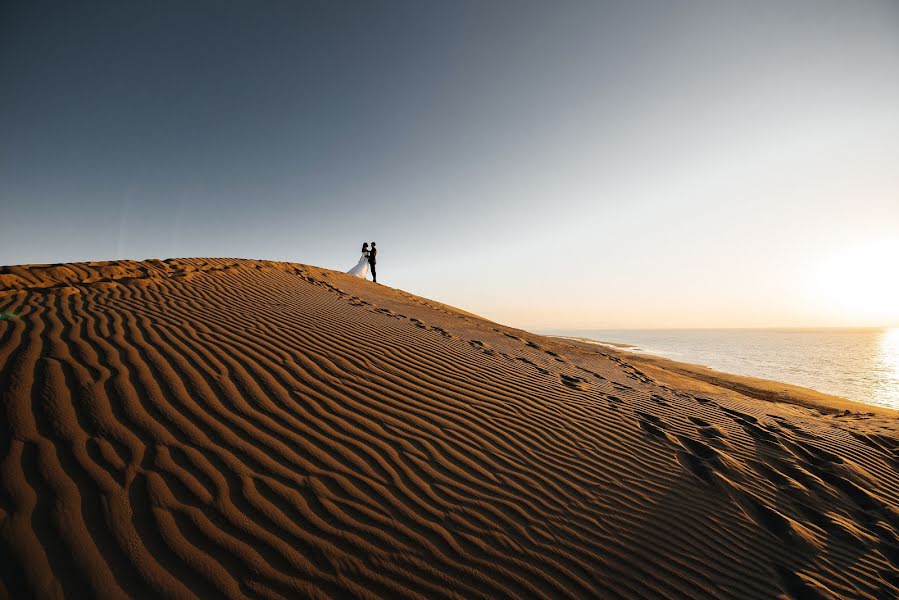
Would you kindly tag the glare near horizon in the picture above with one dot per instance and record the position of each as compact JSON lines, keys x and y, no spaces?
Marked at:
{"x":546,"y":165}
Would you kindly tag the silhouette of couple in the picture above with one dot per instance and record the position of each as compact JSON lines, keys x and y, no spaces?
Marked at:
{"x":366,"y":262}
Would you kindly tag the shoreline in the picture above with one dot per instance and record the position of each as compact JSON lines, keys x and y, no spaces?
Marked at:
{"x":706,"y":379}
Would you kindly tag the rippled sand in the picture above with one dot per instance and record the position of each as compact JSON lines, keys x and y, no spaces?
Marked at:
{"x":222,"y":428}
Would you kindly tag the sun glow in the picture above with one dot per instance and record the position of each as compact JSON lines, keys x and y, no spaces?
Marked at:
{"x":860,"y":285}
{"x":889,"y":352}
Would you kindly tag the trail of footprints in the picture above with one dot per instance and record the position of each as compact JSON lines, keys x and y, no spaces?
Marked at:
{"x":798,"y":468}
{"x":780,"y":443}
{"x":707,"y":459}
{"x":570,"y":381}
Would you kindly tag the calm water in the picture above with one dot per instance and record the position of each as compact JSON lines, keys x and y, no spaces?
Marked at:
{"x":858,"y":364}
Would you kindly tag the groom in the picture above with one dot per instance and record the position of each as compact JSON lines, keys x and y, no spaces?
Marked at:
{"x":372,"y":259}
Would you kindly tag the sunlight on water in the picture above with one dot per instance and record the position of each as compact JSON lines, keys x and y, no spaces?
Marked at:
{"x":888,"y":365}
{"x":858,"y":364}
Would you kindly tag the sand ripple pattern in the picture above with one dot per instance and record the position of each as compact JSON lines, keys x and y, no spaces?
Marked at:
{"x":223,"y":428}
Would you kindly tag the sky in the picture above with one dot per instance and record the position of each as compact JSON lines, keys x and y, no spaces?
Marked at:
{"x":631,"y":164}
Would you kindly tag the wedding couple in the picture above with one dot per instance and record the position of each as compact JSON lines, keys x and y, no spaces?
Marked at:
{"x":367,"y":261}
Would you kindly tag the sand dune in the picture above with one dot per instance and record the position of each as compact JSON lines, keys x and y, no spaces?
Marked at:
{"x":222,"y":428}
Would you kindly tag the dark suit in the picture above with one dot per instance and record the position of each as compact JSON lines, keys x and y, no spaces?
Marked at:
{"x":372,"y":259}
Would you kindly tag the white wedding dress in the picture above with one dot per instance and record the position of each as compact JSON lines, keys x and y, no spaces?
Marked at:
{"x":361,"y":268}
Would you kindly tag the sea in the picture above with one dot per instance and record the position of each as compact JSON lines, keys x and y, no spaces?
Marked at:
{"x":857,"y":364}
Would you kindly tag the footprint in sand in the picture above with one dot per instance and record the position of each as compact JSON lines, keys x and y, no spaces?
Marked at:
{"x":652,"y":425}
{"x":578,"y":383}
{"x":659,"y":400}
{"x":482,"y":346}
{"x":593,"y":373}
{"x":795,"y":429}
{"x":442,"y":331}
{"x":751,"y":426}
{"x":695,"y":457}
{"x":707,"y":430}
{"x":779,"y":525}
{"x":614,"y":401}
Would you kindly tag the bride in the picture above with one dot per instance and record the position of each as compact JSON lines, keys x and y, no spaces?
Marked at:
{"x":361,"y":268}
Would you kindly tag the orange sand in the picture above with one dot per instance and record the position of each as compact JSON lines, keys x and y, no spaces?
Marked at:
{"x":222,"y":428}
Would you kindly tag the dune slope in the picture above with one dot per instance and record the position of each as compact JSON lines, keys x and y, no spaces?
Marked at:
{"x":222,"y":428}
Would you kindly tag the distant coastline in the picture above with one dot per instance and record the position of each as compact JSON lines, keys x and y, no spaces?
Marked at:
{"x":699,"y":377}
{"x":594,"y":342}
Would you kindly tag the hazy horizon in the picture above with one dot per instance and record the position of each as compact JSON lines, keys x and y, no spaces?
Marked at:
{"x":574,"y":165}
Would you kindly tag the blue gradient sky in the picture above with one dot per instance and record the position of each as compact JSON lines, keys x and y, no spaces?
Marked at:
{"x":546,"y":164}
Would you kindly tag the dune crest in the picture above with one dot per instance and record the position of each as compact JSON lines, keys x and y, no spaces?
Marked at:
{"x":228,"y":428}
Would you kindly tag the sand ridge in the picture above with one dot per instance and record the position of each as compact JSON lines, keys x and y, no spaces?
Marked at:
{"x":235,"y":428}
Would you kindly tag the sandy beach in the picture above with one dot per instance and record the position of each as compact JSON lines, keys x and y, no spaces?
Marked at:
{"x":228,"y":428}
{"x":701,"y":378}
